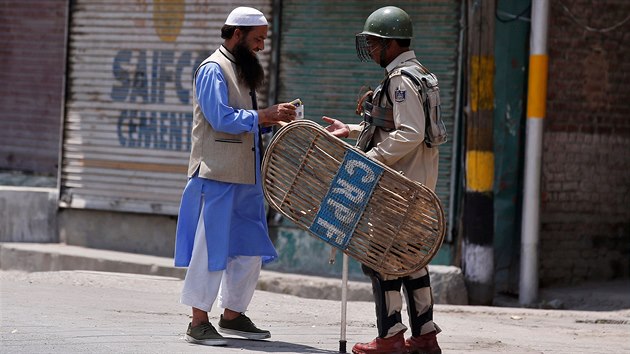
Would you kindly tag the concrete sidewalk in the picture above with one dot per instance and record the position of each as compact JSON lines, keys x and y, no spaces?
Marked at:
{"x":446,"y":281}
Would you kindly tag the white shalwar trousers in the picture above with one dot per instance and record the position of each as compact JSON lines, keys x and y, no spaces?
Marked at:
{"x":235,"y":285}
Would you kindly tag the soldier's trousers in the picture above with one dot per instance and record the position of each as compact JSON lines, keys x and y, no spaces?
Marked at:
{"x":388,"y":299}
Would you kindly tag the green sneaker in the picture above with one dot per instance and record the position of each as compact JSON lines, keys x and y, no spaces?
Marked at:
{"x":242,"y":326}
{"x":204,"y":334}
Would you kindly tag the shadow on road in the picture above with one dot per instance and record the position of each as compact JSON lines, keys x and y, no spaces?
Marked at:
{"x":273,"y":346}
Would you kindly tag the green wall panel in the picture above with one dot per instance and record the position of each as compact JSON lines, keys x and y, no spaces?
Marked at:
{"x":319,"y":65}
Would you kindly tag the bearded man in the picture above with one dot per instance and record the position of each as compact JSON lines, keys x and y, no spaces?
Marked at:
{"x":222,"y":230}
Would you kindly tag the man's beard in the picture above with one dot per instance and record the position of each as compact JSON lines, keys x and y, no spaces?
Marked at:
{"x":248,"y":66}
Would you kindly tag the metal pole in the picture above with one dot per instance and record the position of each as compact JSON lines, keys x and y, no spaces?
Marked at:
{"x":344,"y":303}
{"x":536,"y":101}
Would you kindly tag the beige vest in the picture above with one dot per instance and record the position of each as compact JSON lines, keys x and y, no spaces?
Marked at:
{"x":221,"y":156}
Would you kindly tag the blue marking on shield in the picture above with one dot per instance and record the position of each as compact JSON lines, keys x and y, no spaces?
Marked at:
{"x":346,"y":199}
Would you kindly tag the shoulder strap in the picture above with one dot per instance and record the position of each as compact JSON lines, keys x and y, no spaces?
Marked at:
{"x":406,"y":74}
{"x":386,"y":90}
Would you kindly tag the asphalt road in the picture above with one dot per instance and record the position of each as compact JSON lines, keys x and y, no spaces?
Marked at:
{"x":100,"y":312}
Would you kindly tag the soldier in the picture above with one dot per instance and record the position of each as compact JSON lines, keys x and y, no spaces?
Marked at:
{"x":396,"y":130}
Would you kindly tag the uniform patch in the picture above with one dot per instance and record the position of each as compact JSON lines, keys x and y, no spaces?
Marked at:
{"x":399,"y":95}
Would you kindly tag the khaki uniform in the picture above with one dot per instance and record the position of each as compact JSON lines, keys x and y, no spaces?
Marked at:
{"x":403,"y":149}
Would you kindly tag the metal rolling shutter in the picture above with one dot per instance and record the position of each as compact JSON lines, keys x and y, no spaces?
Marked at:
{"x":129,"y":112}
{"x":32,"y":48}
{"x":318,"y":61}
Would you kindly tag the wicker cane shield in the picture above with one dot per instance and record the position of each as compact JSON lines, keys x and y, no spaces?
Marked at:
{"x":360,"y":206}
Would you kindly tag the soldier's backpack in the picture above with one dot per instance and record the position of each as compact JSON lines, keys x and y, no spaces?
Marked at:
{"x":427,"y":84}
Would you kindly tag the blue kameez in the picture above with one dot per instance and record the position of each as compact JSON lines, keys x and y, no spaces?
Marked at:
{"x":234,"y":214}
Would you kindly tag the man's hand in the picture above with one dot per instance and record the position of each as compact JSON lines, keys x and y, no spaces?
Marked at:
{"x":336,"y":127}
{"x":282,"y":112}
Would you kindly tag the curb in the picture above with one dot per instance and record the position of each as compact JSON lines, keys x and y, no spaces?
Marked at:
{"x":47,"y":257}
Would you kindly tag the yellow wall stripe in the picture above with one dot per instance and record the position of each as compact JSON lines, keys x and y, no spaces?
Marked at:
{"x":479,"y":171}
{"x":537,"y":90}
{"x":481,"y":83}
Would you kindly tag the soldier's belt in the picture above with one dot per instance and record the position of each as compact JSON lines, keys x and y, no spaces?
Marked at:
{"x":370,"y":212}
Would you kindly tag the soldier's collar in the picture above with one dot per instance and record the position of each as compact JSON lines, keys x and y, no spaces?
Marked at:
{"x":400,"y":59}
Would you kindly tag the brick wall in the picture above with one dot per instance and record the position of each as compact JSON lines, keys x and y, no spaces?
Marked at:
{"x":585,"y":212}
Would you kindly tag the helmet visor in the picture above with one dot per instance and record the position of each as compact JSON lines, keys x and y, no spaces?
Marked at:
{"x":363,"y":48}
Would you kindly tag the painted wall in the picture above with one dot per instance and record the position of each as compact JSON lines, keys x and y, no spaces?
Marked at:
{"x":510,"y":82}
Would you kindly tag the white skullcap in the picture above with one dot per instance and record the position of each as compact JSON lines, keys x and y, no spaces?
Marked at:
{"x":246,"y":16}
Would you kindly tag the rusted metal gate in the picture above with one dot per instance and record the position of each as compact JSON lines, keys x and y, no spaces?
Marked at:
{"x":32,"y":66}
{"x":127,"y":127}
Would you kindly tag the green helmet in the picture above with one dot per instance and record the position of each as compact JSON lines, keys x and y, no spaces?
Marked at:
{"x":388,"y":22}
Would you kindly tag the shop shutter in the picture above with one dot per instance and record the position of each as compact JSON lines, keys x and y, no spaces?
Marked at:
{"x":32,"y":48}
{"x":128,"y":113}
{"x":318,"y":61}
